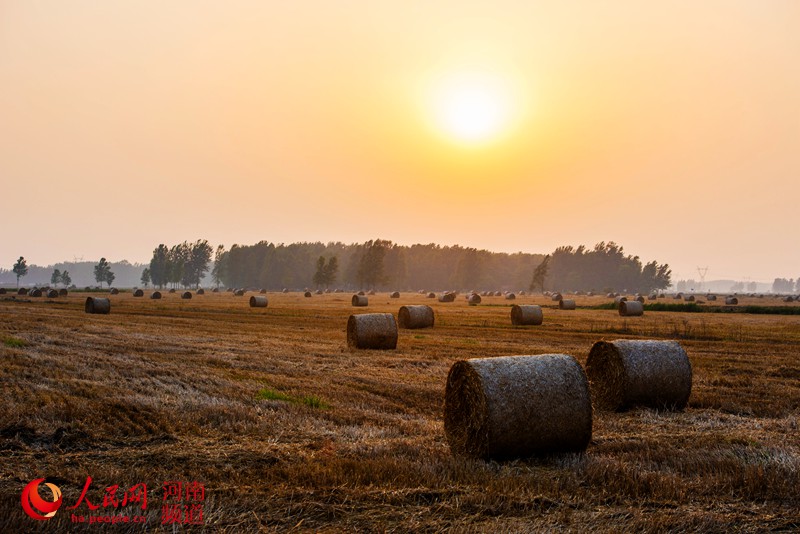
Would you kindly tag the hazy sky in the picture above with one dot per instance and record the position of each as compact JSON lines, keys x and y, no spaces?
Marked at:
{"x":672,"y":128}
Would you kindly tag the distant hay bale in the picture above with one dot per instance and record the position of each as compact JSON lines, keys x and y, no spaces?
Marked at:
{"x":522,"y":293}
{"x":497,"y":294}
{"x":258,"y":301}
{"x":284,"y":290}
{"x":431,"y":295}
{"x":711,"y":298}
{"x":679,"y":296}
{"x":171,"y":290}
{"x":555,"y":297}
{"x":510,"y":296}
{"x":337,"y":290}
{"x":327,"y":290}
{"x":411,"y":317}
{"x":52,"y":293}
{"x":307,"y":294}
{"x":639,"y":299}
{"x":262,"y":291}
{"x":97,"y":305}
{"x":689,"y":298}
{"x":114,"y":291}
{"x":632,"y":308}
{"x":421,"y":291}
{"x":229,"y":290}
{"x":662,"y":296}
{"x":376,"y":331}
{"x":526,"y":315}
{"x":610,"y":295}
{"x":590,"y":294}
{"x":2,"y":291}
{"x":215,"y":290}
{"x":788,"y":298}
{"x":63,"y":292}
{"x":626,"y":373}
{"x":318,"y":292}
{"x":731,"y":301}
{"x":138,"y":293}
{"x":201,"y":291}
{"x":186,"y":295}
{"x":474,"y":299}
{"x":238,"y":293}
{"x":359,"y":300}
{"x":617,"y":300}
{"x":566,"y":304}
{"x":371,"y":292}
{"x":394,"y":295}
{"x":156,"y":295}
{"x":447,"y":297}
{"x":517,"y":406}
{"x":361,"y":293}
{"x":35,"y":292}
{"x":652,"y":296}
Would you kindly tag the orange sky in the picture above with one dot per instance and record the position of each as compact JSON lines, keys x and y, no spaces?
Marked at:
{"x":671,"y":128}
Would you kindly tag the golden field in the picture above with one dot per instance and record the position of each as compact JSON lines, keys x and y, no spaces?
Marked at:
{"x":290,"y":430}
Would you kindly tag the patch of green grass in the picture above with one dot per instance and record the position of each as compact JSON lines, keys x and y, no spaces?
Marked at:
{"x":309,"y":400}
{"x":419,"y":336}
{"x":14,"y":342}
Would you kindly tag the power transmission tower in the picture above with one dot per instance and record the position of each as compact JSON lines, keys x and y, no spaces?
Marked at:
{"x":702,"y":271}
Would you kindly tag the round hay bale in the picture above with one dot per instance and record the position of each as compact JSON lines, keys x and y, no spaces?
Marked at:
{"x":517,"y":406}
{"x":431,"y":295}
{"x":510,"y":296}
{"x":566,"y":304}
{"x":610,"y":295}
{"x":229,"y":290}
{"x":679,"y":296}
{"x":652,"y":296}
{"x":617,"y":300}
{"x":731,"y":301}
{"x":138,"y":293}
{"x":662,"y":295}
{"x":633,"y":308}
{"x":639,"y":299}
{"x":556,"y":297}
{"x":63,"y":292}
{"x":35,"y":292}
{"x":186,"y":295}
{"x":411,"y":317}
{"x":2,"y":291}
{"x":201,"y":291}
{"x":372,"y":331}
{"x":52,"y":293}
{"x":689,"y":298}
{"x":711,"y":298}
{"x":447,"y":297}
{"x":522,"y":293}
{"x":394,"y":295}
{"x":258,"y":301}
{"x":215,"y":290}
{"x":172,"y":290}
{"x":318,"y":292}
{"x":97,"y":305}
{"x":114,"y":291}
{"x":497,"y":294}
{"x":361,"y":293}
{"x":238,"y":293}
{"x":22,"y":291}
{"x":262,"y":291}
{"x":474,"y":299}
{"x":359,"y":300}
{"x":327,"y":290}
{"x":788,"y":299}
{"x":421,"y":291}
{"x":590,"y":294}
{"x":155,"y":295}
{"x":284,"y":290}
{"x":625,"y":373}
{"x":307,"y":294}
{"x":371,"y":292}
{"x":526,"y":315}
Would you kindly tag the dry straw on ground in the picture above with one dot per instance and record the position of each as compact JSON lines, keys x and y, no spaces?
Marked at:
{"x":359,"y":300}
{"x":517,"y":406}
{"x":626,"y":373}
{"x":97,"y":305}
{"x":415,"y":316}
{"x":632,"y":308}
{"x":372,"y":331}
{"x":258,"y":301}
{"x":526,"y":315}
{"x":566,"y":304}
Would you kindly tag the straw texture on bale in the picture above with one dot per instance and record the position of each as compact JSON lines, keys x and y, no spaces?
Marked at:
{"x":626,"y":373}
{"x":632,"y":308}
{"x":731,"y":301}
{"x":372,"y":331}
{"x":447,"y":297}
{"x":395,"y":295}
{"x":35,"y":292}
{"x":52,"y":293}
{"x":201,"y":291}
{"x":510,"y":296}
{"x":156,"y":295}
{"x":474,"y":299}
{"x":359,"y":300}
{"x":517,"y":406}
{"x":138,"y":293}
{"x":186,"y":295}
{"x":526,"y":315}
{"x":307,"y":294}
{"x":431,"y":295}
{"x":415,"y":317}
{"x":238,"y":293}
{"x":258,"y":301}
{"x":97,"y":305}
{"x":566,"y":304}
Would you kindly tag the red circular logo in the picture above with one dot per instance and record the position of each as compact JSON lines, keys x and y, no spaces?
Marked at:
{"x":35,"y":506}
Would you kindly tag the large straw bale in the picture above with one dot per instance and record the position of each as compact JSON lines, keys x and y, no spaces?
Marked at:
{"x":510,"y":296}
{"x":138,"y":293}
{"x":372,"y":331}
{"x":156,"y":295}
{"x":566,"y":304}
{"x":97,"y":305}
{"x":394,"y":295}
{"x":473,"y":299}
{"x":420,"y":316}
{"x":517,"y":406}
{"x":258,"y":301}
{"x":731,"y":301}
{"x":360,"y":300}
{"x":526,"y":315}
{"x":52,"y":293}
{"x":631,"y":308}
{"x":625,"y":373}
{"x":187,"y":295}
{"x":447,"y":297}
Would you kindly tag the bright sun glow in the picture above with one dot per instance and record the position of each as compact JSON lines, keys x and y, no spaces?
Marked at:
{"x":472,"y":108}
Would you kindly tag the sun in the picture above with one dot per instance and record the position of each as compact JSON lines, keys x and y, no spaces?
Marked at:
{"x":471,"y":108}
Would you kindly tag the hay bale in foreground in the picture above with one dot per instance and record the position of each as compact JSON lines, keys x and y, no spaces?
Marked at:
{"x":731,"y":301}
{"x":238,"y":293}
{"x":474,"y":299}
{"x":186,"y":295}
{"x":447,"y":297}
{"x":258,"y":301}
{"x":631,"y":308}
{"x":138,"y":293}
{"x":359,"y":300}
{"x":156,"y":295}
{"x":52,"y":293}
{"x":376,"y":331}
{"x":517,"y":406}
{"x":510,"y":296}
{"x":394,"y":295}
{"x":411,"y":317}
{"x":566,"y":304}
{"x":63,"y":292}
{"x":526,"y":315}
{"x":97,"y":305}
{"x":625,"y":373}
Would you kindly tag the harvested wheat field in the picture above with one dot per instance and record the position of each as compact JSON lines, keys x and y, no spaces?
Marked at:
{"x":288,"y":429}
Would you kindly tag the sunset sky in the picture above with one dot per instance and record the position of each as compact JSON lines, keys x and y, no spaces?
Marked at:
{"x":672,"y":128}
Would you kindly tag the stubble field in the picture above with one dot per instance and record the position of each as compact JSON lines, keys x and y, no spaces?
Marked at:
{"x":289,"y":430}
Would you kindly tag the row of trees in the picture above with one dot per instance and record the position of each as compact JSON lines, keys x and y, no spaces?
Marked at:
{"x":185,"y":264}
{"x":782,"y":285}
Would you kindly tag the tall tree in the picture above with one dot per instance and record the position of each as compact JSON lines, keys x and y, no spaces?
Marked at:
{"x":66,"y":279}
{"x":319,"y":275}
{"x":55,"y":278}
{"x":540,"y":274}
{"x":145,"y":277}
{"x":110,"y":276}
{"x":371,"y":267}
{"x":218,"y":272}
{"x":20,"y":269}
{"x":101,"y":271}
{"x":158,"y":266}
{"x":331,"y":270}
{"x":198,"y":255}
